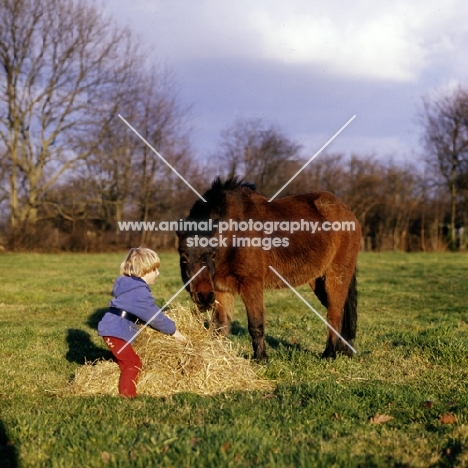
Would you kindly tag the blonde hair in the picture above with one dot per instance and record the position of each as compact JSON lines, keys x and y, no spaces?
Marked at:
{"x":139,"y":261}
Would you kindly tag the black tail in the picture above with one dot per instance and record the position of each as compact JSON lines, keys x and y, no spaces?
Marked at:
{"x":348,"y":328}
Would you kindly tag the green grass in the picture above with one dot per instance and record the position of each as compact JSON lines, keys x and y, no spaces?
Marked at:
{"x":412,"y":347}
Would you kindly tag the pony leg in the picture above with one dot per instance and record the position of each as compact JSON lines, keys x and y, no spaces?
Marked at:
{"x":224,"y":308}
{"x":318,"y":286}
{"x":341,"y":299}
{"x":253,"y":300}
{"x":349,"y":324}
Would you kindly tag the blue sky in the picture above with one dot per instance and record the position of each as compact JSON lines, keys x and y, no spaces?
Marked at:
{"x":307,"y":66}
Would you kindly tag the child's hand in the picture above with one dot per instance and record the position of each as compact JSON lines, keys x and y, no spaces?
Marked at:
{"x":179,"y":337}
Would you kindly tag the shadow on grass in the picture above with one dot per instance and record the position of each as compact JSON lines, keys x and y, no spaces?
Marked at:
{"x":81,"y":349}
{"x":8,"y":452}
{"x":96,"y":317}
{"x":449,"y":454}
{"x":237,"y":329}
{"x":276,"y":343}
{"x":272,"y":342}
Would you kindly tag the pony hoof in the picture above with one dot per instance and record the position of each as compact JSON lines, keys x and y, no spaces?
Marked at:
{"x":261,"y":357}
{"x":329,"y":354}
{"x":345,"y":350}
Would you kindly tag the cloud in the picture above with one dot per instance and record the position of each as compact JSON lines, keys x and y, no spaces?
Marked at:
{"x":307,"y":66}
{"x":391,"y":39}
{"x":376,"y":47}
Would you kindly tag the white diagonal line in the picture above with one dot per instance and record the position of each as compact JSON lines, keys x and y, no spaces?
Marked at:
{"x":160,"y":157}
{"x":311,"y":308}
{"x":312,"y":158}
{"x":160,"y":310}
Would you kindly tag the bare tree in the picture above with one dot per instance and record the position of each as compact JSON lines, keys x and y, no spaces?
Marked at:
{"x":326,"y":172}
{"x":59,"y":62}
{"x":260,"y":153}
{"x":3,"y":180}
{"x":134,"y":183}
{"x":445,"y":126}
{"x":384,"y":196}
{"x":163,"y":123}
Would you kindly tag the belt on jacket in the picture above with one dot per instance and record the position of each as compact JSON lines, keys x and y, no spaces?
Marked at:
{"x":124,"y":314}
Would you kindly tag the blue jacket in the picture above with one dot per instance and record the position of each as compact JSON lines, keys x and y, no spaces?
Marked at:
{"x":133,"y":295}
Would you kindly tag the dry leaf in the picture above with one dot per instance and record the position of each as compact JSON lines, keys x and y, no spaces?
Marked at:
{"x":428,"y":404}
{"x":380,"y":418}
{"x":448,"y":418}
{"x":225,"y":446}
{"x":105,"y":457}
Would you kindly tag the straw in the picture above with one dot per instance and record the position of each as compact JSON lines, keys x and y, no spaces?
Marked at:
{"x":206,"y":364}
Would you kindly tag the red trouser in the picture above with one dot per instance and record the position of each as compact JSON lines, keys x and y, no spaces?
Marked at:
{"x":129,"y":363}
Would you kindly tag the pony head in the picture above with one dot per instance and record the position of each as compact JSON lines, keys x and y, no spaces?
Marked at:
{"x":195,"y":249}
{"x":194,"y":258}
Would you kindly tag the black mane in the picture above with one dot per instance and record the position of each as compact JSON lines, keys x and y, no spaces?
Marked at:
{"x":232,"y":183}
{"x":214,"y":207}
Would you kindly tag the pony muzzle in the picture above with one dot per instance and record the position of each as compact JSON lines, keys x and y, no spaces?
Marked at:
{"x":204,"y":300}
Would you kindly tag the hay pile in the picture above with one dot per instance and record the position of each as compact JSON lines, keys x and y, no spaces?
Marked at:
{"x":206,"y":364}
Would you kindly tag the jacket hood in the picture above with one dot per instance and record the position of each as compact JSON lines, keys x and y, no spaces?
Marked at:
{"x":124,"y":284}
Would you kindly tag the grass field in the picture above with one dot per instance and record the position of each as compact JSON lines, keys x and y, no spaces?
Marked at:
{"x":411,"y":369}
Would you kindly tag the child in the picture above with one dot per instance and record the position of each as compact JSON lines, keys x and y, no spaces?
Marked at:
{"x":133,"y":302}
